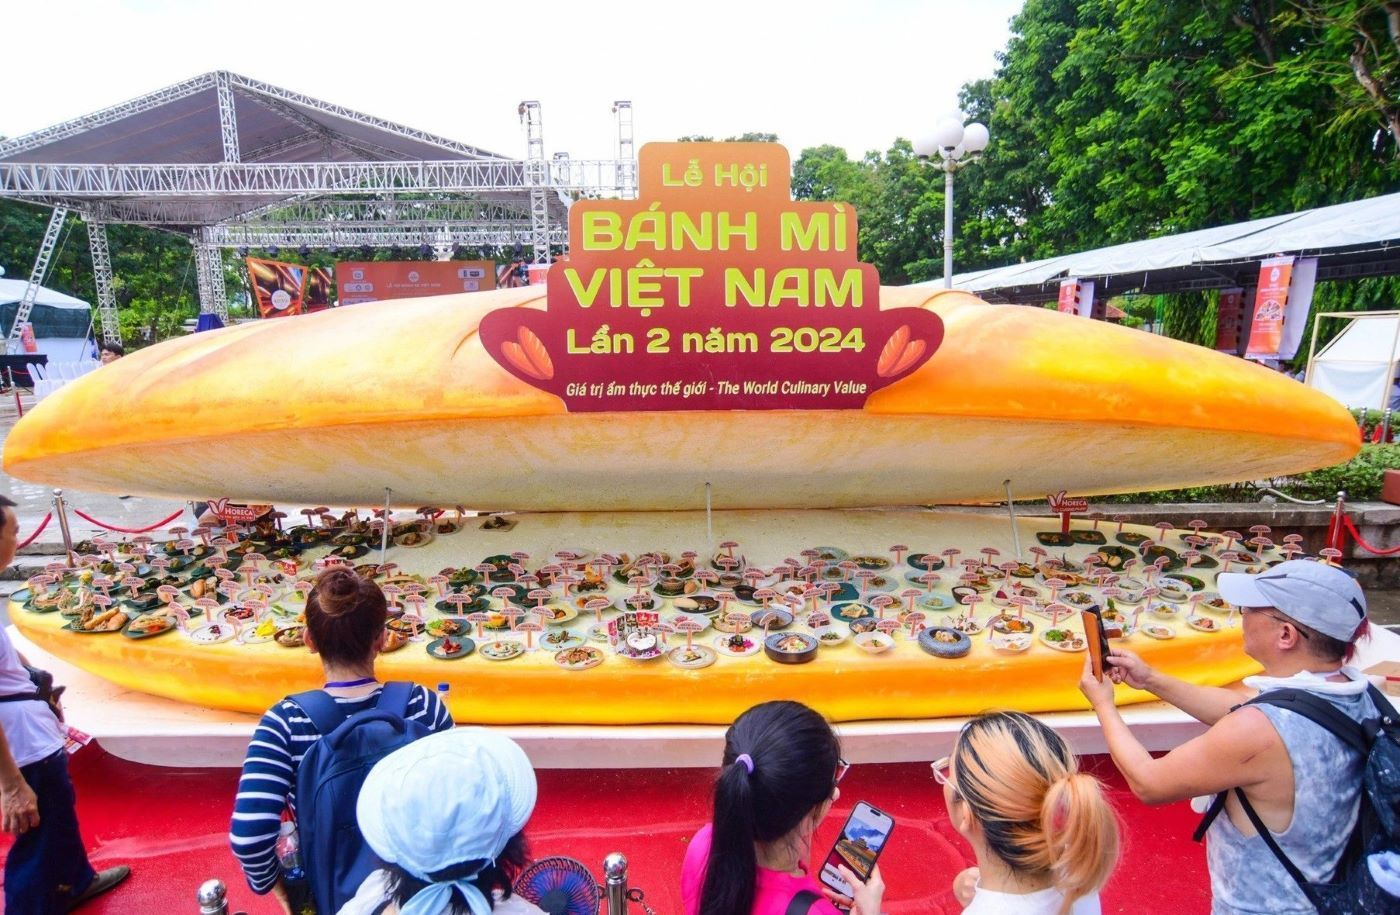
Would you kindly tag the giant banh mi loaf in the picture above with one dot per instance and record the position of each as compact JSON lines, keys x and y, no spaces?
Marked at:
{"x":335,"y":406}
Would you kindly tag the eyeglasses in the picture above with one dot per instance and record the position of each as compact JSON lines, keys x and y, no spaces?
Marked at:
{"x":1276,"y":618}
{"x":942,"y":770}
{"x":842,"y":767}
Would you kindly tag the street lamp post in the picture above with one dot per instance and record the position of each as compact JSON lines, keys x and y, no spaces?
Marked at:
{"x":954,"y":146}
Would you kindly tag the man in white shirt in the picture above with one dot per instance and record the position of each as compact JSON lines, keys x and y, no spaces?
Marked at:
{"x":47,"y":870}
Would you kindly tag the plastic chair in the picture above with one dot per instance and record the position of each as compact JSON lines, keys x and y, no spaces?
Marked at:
{"x":38,"y":373}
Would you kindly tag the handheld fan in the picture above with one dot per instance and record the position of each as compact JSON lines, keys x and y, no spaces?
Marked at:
{"x":560,"y":886}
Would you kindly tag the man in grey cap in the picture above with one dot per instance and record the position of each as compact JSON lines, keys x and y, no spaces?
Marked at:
{"x":1300,"y":620}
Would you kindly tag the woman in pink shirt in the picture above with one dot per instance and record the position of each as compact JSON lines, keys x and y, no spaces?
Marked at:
{"x":781,"y":765}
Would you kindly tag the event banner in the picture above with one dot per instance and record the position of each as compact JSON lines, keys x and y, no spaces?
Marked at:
{"x":374,"y":281}
{"x":318,"y":296}
{"x":1295,"y":316}
{"x":1077,"y":298}
{"x":713,"y":290}
{"x":277,"y":287}
{"x":1229,"y":320}
{"x":1266,"y":329}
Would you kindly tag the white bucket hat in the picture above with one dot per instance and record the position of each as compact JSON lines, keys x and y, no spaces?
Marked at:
{"x":445,"y":799}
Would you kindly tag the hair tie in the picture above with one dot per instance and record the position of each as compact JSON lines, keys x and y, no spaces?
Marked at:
{"x":747,"y":760}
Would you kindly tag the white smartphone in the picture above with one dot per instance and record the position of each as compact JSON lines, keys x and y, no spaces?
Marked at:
{"x":858,"y":847}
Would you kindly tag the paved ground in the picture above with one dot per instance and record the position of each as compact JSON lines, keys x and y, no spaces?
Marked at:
{"x":36,"y":501}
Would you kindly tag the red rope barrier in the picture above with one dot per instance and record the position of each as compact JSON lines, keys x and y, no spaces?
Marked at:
{"x":37,"y":531}
{"x":1356,"y":535}
{"x":127,"y":530}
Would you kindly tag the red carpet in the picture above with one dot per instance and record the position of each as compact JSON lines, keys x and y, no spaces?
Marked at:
{"x":169,"y":825}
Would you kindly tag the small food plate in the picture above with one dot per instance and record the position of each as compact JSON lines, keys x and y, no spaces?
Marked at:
{"x":1090,"y":536}
{"x":704,"y":604}
{"x":455,"y":647}
{"x":863,"y":625}
{"x":213,"y":633}
{"x":1054,"y":538}
{"x":116,"y":622}
{"x":1214,"y":603}
{"x":738,"y":645}
{"x":1158,"y":631}
{"x":1204,"y":623}
{"x":873,"y":642}
{"x":852,"y":611}
{"x":1063,"y":640}
{"x":561,"y":639}
{"x":933,"y":602}
{"x":965,"y":624}
{"x":1172,"y":589}
{"x":557,"y":614}
{"x":831,"y":554}
{"x":675,"y":587}
{"x":1079,"y":600}
{"x":944,"y":642}
{"x":1163,"y":611}
{"x":916,"y":561}
{"x":480,"y":605}
{"x":414,"y":538}
{"x":1015,"y":642}
{"x":448,"y":626}
{"x":291,"y":636}
{"x":880,"y":584}
{"x":1011,"y":625}
{"x":692,"y":658}
{"x":831,"y":636}
{"x":771,"y":619}
{"x":501,"y":650}
{"x":393,"y":641}
{"x":790,"y":647}
{"x":1132,"y":538}
{"x":640,"y":646}
{"x":264,"y":631}
{"x":578,"y":657}
{"x":1191,"y":581}
{"x":724,"y":624}
{"x":149,"y":625}
{"x":580,"y":602}
{"x":873,"y":563}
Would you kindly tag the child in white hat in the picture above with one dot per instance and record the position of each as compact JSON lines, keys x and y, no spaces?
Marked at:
{"x":446,"y":815}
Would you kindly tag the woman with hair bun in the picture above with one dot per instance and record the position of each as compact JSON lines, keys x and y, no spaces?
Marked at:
{"x":781,"y":765}
{"x":345,"y":616}
{"x":1043,"y":833}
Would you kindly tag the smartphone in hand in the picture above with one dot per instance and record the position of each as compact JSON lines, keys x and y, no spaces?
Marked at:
{"x":858,"y":847}
{"x":1098,"y":641}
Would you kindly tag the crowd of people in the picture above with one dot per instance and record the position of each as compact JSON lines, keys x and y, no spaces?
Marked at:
{"x":395,"y":811}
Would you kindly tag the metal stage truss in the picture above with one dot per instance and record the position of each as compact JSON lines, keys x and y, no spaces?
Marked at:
{"x":232,"y":162}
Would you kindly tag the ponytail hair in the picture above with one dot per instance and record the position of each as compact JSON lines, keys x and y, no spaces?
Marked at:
{"x":793,"y":754}
{"x":1038,"y":812}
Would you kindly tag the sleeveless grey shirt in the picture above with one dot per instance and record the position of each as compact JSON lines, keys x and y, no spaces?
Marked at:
{"x":1245,"y":877}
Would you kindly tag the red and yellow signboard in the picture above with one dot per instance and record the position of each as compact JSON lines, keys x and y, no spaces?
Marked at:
{"x":713,"y":290}
{"x":1229,"y":320}
{"x":373,"y":281}
{"x":1266,"y":330}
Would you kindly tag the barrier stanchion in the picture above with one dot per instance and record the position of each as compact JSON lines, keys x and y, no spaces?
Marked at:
{"x":61,"y":510}
{"x":615,"y":883}
{"x":1335,"y":534}
{"x":212,"y":898}
{"x":10,"y":376}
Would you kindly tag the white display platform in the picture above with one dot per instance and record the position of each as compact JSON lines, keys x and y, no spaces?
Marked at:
{"x":161,"y":732}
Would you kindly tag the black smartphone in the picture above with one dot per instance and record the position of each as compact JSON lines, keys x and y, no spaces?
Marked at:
{"x":1097,"y":638}
{"x":858,"y":847}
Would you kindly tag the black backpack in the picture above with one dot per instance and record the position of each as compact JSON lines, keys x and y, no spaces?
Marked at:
{"x":1351,"y":890}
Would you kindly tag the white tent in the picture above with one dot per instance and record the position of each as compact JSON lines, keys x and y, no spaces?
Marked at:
{"x":1359,"y":366}
{"x":62,"y":324}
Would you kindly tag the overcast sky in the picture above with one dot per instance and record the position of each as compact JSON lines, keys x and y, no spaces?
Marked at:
{"x":856,"y":74}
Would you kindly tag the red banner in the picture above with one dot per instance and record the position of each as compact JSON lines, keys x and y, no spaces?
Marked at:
{"x":1229,"y":320}
{"x":1266,"y":329}
{"x":277,"y":287}
{"x":374,"y":281}
{"x":1069,"y":296}
{"x":713,"y":290}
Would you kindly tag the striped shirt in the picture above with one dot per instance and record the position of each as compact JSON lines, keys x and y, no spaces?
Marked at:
{"x":268,"y":783}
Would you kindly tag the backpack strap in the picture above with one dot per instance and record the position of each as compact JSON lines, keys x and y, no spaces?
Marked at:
{"x":325,"y":713}
{"x":394,"y":697}
{"x":1283,"y":859}
{"x":802,"y":903}
{"x":1322,"y":713}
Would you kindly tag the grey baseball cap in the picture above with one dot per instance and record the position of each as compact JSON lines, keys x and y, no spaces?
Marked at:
{"x":1318,"y":595}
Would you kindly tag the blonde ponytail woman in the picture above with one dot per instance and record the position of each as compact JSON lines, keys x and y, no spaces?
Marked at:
{"x":1043,"y":833}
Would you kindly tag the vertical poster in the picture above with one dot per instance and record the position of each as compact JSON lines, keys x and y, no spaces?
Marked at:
{"x":1229,"y":320}
{"x":1266,"y":328}
{"x":318,"y":295}
{"x":1295,"y":315}
{"x":1069,"y":296}
{"x":277,"y":287}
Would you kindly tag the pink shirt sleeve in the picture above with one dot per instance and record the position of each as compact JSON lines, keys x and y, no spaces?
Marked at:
{"x":773,"y":891}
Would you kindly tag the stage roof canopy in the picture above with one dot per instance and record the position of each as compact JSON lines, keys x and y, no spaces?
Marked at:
{"x":1349,"y":240}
